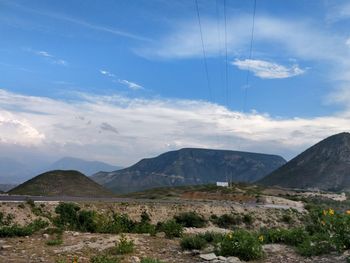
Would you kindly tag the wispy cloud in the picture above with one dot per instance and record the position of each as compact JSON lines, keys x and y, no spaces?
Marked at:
{"x":130,"y":84}
{"x":268,"y":70}
{"x":81,"y":22}
{"x":48,"y":57}
{"x":62,"y":127}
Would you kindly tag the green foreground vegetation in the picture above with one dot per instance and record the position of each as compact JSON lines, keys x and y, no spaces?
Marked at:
{"x":322,"y":231}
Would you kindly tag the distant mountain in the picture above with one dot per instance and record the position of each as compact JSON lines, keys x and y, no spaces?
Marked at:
{"x":6,"y":187}
{"x":61,"y":183}
{"x":12,"y":171}
{"x":83,"y":166}
{"x":325,"y":166}
{"x":190,"y":166}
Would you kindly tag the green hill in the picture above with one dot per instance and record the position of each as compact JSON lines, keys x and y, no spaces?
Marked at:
{"x":324,"y":166}
{"x":61,"y":183}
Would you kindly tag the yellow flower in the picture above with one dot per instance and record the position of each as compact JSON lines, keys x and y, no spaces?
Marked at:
{"x":348,"y":212}
{"x":230,"y":236}
{"x":331,"y":211}
{"x":261,"y":238}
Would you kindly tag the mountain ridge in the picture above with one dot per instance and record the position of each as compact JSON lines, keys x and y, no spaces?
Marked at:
{"x":190,"y":166}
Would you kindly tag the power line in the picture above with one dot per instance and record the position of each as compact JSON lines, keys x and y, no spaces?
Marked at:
{"x":203,"y":49}
{"x":226,"y":60}
{"x":250,"y":57}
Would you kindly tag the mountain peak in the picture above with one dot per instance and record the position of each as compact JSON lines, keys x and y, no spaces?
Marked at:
{"x":324,"y":166}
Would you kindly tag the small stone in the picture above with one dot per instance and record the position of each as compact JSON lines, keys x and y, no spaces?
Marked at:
{"x":160,"y":234}
{"x":75,"y":234}
{"x":5,"y":247}
{"x":233,"y":260}
{"x":208,"y":257}
{"x":135,"y":259}
{"x":222,"y":258}
{"x":46,"y":236}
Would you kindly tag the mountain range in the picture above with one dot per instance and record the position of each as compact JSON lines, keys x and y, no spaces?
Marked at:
{"x":190,"y":166}
{"x":324,"y":166}
{"x":14,"y":172}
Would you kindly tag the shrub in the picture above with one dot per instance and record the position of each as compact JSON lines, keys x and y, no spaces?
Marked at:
{"x":104,"y":259}
{"x":124,"y":246}
{"x":190,"y":219}
{"x":212,"y":237}
{"x":142,"y":228}
{"x":228,"y":220}
{"x":54,"y":242}
{"x":287,"y":218}
{"x":119,"y":223}
{"x":248,"y":219}
{"x":315,"y":245}
{"x":87,"y":221}
{"x":18,"y":231}
{"x":67,"y":216}
{"x":293,"y":236}
{"x":171,"y":228}
{"x":242,"y":244}
{"x":193,"y":242}
{"x":150,"y":260}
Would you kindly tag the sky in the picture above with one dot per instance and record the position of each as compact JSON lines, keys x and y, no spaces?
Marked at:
{"x":117,"y":81}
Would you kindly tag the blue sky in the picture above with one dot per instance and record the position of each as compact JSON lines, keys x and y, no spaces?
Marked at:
{"x":121,"y":80}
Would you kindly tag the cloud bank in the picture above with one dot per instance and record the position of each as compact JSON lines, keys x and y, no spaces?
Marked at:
{"x":122,"y":130}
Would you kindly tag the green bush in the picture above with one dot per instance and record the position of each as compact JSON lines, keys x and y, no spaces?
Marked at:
{"x":227,"y":220}
{"x":193,"y":242}
{"x":287,"y":218}
{"x":171,"y":228}
{"x":150,"y":260}
{"x":67,"y":216}
{"x":18,"y":231}
{"x":293,"y":236}
{"x":118,"y":223}
{"x":54,"y":242}
{"x":317,"y":244}
{"x":212,"y":237}
{"x":191,"y":219}
{"x":87,"y":221}
{"x":104,"y":259}
{"x":124,"y":246}
{"x":248,"y":219}
{"x":242,"y":244}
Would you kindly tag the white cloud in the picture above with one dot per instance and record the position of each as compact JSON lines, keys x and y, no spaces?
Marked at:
{"x":48,"y":57}
{"x":130,"y":84}
{"x":268,"y":70}
{"x":107,"y":73}
{"x":121,"y":130}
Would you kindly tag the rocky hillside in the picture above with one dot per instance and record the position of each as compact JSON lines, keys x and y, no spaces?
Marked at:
{"x":190,"y":166}
{"x":61,"y":183}
{"x":325,"y":166}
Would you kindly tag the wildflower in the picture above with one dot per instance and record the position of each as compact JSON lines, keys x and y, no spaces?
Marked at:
{"x":261,"y":238}
{"x":348,"y":212}
{"x":230,"y":235}
{"x":325,"y":212}
{"x":331,"y":211}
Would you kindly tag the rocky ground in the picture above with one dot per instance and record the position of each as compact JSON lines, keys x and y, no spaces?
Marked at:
{"x":84,"y":245}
